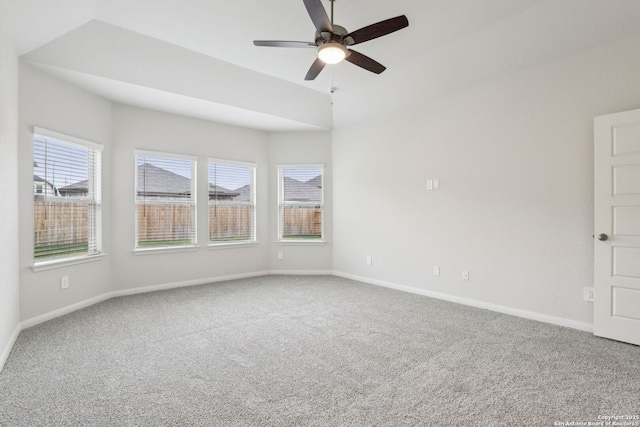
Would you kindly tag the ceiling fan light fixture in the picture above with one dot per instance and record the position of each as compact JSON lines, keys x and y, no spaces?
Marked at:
{"x":332,"y":52}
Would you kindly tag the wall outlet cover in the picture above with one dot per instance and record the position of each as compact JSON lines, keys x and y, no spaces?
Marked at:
{"x":588,"y":293}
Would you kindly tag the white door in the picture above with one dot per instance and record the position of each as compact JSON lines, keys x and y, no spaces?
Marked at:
{"x":617,"y":227}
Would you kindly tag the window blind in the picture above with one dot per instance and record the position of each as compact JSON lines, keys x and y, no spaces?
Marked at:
{"x":67,"y":197}
{"x":301,"y":202}
{"x":165,"y":200}
{"x":231,"y":202}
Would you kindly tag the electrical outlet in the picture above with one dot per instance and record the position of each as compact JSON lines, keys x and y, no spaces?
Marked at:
{"x":369,"y":260}
{"x":436,"y":184}
{"x":436,"y":270}
{"x":64,"y":282}
{"x":465,"y":274}
{"x":429,"y":184}
{"x":280,"y":255}
{"x":588,"y":293}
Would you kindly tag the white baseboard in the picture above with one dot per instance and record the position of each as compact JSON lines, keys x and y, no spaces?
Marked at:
{"x":7,"y":350}
{"x":65,"y":310}
{"x":195,"y":282}
{"x":124,"y":292}
{"x":164,"y":286}
{"x":574,"y":324}
{"x":302,"y":272}
{"x":452,"y":298}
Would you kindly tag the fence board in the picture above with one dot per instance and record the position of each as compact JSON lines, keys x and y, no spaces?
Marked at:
{"x":60,"y":223}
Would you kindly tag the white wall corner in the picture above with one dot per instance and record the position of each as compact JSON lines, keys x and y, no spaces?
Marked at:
{"x":7,"y":350}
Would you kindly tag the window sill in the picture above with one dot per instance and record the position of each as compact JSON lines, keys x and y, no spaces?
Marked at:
{"x":230,"y":245}
{"x":59,"y":263}
{"x":166,"y":250}
{"x":301,"y":242}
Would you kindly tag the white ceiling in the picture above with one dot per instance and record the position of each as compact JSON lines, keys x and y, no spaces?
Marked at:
{"x":196,"y":57}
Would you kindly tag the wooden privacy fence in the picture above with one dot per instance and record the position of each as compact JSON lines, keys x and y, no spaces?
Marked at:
{"x":301,"y":222}
{"x":60,"y":223}
{"x":230,"y":222}
{"x":165,"y":222}
{"x":64,"y":223}
{"x":173,"y":222}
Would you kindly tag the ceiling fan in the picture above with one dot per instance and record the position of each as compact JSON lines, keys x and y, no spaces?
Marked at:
{"x":332,"y":41}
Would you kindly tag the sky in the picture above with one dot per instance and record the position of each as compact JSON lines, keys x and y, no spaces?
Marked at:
{"x":58,"y":163}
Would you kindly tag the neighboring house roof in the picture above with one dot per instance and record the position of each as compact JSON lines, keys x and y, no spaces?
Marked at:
{"x":220,"y":193}
{"x":243,"y":194}
{"x":295,"y":190}
{"x":316,"y":182}
{"x":36,"y":178}
{"x":155,"y":181}
{"x":81,"y":187}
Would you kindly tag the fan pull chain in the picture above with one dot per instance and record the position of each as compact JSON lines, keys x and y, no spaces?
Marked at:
{"x":332,"y":89}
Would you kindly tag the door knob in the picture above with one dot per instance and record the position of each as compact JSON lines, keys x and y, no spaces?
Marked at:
{"x":602,"y":237}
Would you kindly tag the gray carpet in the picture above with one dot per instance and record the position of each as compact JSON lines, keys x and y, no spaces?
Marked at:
{"x":309,"y":351}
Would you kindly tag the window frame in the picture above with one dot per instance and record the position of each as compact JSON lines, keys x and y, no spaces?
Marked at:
{"x":253,"y":240}
{"x":282,"y":203}
{"x":192,"y":202}
{"x":93,"y":200}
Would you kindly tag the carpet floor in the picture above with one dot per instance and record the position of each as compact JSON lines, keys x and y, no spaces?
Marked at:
{"x":310,"y":351}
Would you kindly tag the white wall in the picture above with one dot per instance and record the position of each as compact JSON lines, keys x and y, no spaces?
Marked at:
{"x":135,"y":128}
{"x":53,"y":104}
{"x":301,"y":148}
{"x":514,"y":158}
{"x":9,"y":284}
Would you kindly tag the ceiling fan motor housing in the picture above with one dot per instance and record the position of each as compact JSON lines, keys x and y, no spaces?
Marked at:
{"x":339,"y":35}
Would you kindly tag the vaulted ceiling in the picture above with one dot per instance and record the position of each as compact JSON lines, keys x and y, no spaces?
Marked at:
{"x":196,"y":57}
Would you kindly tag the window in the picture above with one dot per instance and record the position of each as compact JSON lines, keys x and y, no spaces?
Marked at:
{"x":165,"y":200}
{"x":301,"y":203}
{"x":67,"y":200}
{"x":232,"y":208}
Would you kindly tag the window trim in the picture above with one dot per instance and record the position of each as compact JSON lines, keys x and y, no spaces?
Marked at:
{"x":98,"y":148}
{"x":194,"y":203}
{"x":282,"y":203}
{"x":253,"y":202}
{"x":59,"y":263}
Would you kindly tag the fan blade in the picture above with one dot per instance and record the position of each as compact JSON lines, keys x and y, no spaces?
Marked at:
{"x":378,"y":29}
{"x":365,"y":62}
{"x":319,"y":16}
{"x":315,"y":69}
{"x":282,"y":43}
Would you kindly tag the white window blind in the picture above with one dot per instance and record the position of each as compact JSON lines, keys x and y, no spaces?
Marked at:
{"x":232,"y":209}
{"x":165,"y":200}
{"x":301,"y":202}
{"x":67,"y":197}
